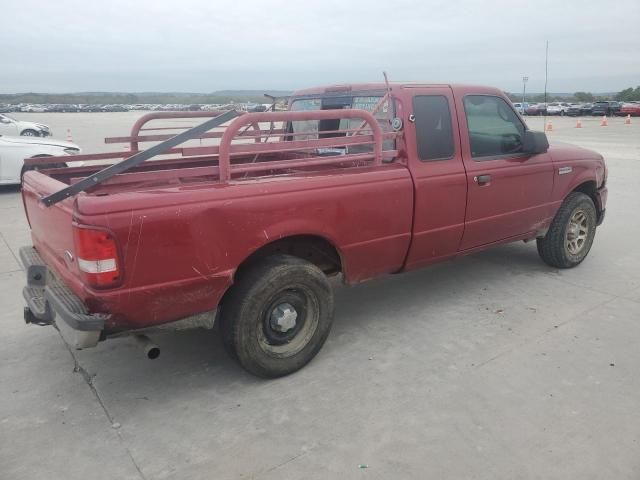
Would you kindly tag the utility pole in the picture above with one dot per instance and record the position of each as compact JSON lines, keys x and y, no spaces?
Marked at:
{"x":524,"y":89}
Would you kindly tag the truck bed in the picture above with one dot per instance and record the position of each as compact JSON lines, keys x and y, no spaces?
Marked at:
{"x":253,"y":145}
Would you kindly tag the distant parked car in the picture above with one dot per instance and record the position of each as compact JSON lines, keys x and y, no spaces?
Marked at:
{"x":521,"y":108}
{"x":586,"y":108}
{"x":13,"y":151}
{"x":574,"y":110}
{"x":115,"y":108}
{"x":11,"y":126}
{"x":33,"y":108}
{"x":555,"y":108}
{"x":605,"y":108}
{"x":67,"y":107}
{"x":536,"y":109}
{"x":631,"y":108}
{"x":91,"y":108}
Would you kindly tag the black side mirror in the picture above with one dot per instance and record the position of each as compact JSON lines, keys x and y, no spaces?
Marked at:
{"x":535,"y":142}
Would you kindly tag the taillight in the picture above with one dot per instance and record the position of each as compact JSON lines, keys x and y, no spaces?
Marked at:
{"x":97,"y":256}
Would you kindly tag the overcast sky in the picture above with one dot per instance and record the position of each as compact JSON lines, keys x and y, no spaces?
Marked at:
{"x":207,"y":45}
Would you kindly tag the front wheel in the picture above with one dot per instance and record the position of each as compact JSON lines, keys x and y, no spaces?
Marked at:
{"x":277,"y":315}
{"x":571,"y":233}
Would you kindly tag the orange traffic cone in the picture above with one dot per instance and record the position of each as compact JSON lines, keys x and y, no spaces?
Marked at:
{"x":549,"y":126}
{"x":604,"y":122}
{"x":69,"y":137}
{"x":627,"y":120}
{"x":578,"y":124}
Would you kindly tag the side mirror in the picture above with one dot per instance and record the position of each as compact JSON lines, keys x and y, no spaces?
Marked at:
{"x":535,"y":142}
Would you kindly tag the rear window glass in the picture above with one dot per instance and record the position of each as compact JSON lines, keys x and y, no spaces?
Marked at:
{"x":313,"y":129}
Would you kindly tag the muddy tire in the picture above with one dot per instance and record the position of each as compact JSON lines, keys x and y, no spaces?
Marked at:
{"x":277,"y":315}
{"x":571,"y":233}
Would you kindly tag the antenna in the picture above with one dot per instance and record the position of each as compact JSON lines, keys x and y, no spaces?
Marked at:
{"x":388,"y":96}
{"x":546,"y":78}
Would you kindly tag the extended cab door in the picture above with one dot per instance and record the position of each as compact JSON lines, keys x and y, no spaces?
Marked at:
{"x":509,"y":190}
{"x":440,"y":182}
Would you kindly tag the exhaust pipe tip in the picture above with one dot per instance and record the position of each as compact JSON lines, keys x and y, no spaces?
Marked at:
{"x":151,"y":350}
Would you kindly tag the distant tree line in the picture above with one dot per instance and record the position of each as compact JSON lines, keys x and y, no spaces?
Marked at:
{"x":625,"y":95}
{"x":126,"y":98}
{"x":629,"y":94}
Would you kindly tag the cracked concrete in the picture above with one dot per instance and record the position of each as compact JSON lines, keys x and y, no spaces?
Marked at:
{"x":490,"y":367}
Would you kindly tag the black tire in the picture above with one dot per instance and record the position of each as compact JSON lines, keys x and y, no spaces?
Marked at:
{"x":561,"y":247}
{"x":29,"y":133}
{"x":259,"y":297}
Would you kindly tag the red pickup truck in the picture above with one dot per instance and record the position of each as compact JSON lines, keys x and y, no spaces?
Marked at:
{"x":243,"y":227}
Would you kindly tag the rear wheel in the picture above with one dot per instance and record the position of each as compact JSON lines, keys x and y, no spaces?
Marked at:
{"x":571,"y":233}
{"x":278,"y":315}
{"x":29,"y":133}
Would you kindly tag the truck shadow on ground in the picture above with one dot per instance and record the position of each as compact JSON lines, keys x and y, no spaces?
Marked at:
{"x":196,"y":360}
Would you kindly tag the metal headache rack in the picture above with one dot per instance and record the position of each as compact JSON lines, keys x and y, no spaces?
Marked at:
{"x":260,"y":143}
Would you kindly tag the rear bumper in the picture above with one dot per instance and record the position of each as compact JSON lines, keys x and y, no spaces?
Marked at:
{"x":51,"y":302}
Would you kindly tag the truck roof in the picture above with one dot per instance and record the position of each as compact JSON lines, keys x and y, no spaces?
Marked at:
{"x":395,"y":86}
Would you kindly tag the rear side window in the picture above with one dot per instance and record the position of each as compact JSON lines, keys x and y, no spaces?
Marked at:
{"x":494,"y":128}
{"x":434,"y":134}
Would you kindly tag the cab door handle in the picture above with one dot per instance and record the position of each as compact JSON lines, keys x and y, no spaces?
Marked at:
{"x":482,"y":179}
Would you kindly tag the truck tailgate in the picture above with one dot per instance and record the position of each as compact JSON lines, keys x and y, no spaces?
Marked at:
{"x":52,"y":227}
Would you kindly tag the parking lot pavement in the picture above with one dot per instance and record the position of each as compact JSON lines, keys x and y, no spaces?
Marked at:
{"x":493,"y":366}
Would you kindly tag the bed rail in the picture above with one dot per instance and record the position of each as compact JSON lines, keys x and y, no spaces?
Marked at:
{"x":250,"y":143}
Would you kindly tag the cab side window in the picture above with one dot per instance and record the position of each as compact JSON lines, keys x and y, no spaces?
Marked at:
{"x":434,"y":133}
{"x":494,"y":128}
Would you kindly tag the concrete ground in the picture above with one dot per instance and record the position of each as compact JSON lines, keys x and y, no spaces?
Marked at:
{"x":493,"y":366}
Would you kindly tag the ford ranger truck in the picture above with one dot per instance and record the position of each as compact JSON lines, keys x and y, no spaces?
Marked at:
{"x":243,"y":228}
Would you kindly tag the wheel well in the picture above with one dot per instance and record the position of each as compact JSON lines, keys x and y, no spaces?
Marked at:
{"x":314,"y":249}
{"x":589,"y":188}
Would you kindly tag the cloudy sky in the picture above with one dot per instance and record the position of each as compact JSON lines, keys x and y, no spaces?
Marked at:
{"x":207,"y":45}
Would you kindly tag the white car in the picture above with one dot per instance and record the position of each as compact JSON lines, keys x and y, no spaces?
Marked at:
{"x":33,"y":108}
{"x":521,"y":108}
{"x":13,"y":151}
{"x":554,"y":109}
{"x":11,"y":126}
{"x":557,"y":108}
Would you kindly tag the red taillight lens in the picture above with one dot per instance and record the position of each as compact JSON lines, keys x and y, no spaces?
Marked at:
{"x":97,"y":256}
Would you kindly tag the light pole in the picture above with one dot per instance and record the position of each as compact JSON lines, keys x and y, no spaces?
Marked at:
{"x":524,"y":89}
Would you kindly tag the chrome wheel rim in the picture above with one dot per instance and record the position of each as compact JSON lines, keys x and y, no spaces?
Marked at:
{"x":577,"y":232}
